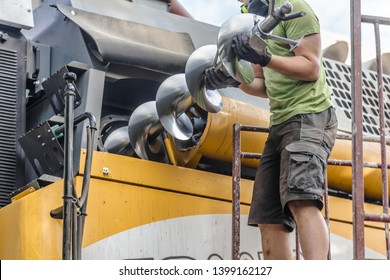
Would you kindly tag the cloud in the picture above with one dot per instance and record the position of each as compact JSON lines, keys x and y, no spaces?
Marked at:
{"x":333,"y":15}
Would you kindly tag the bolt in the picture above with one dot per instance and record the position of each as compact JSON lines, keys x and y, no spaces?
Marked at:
{"x":3,"y":36}
{"x":70,"y":77}
{"x":106,"y":171}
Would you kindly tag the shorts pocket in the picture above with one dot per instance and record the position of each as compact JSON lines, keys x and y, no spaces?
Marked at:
{"x":306,"y":174}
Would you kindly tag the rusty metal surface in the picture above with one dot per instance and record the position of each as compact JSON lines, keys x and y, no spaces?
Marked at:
{"x":236,"y":177}
{"x":375,"y":20}
{"x":382,"y":218}
{"x":327,"y":215}
{"x":385,"y":197}
{"x":357,"y":132}
{"x":359,"y":216}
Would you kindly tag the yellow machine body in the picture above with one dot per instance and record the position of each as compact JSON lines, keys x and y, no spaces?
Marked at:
{"x":217,"y":141}
{"x":143,"y":209}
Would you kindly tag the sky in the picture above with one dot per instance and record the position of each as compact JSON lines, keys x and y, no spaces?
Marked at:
{"x":334,"y":16}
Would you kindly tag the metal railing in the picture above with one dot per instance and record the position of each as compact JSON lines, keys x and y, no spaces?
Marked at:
{"x":359,"y":215}
{"x":236,"y":178}
{"x":236,"y":175}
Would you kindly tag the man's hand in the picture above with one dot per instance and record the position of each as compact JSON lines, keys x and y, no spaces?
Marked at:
{"x":215,"y":78}
{"x":243,"y":50}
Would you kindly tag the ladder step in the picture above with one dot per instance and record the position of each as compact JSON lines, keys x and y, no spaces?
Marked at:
{"x":384,"y":218}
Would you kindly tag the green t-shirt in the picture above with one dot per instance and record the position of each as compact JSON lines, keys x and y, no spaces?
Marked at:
{"x":289,"y":97}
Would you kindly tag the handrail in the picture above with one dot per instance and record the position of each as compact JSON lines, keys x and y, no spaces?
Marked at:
{"x":236,"y":177}
{"x":358,"y":195}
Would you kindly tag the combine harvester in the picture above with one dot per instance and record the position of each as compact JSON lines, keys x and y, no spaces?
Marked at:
{"x":112,"y":148}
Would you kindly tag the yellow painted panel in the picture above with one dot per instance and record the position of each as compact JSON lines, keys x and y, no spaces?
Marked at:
{"x":27,"y":230}
{"x":341,"y":177}
{"x":166,"y":177}
{"x":115,"y":207}
{"x":374,"y":238}
{"x":22,"y":194}
{"x":218,"y":136}
{"x":341,"y":210}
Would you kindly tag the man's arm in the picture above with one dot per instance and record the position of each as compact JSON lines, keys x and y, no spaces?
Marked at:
{"x":305,"y":65}
{"x":257,"y":87}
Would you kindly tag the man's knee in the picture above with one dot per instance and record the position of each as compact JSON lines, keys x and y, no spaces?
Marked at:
{"x":299,"y":207}
{"x":272,"y":228}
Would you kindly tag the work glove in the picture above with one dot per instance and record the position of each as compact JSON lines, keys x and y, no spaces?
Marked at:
{"x":215,"y":78}
{"x":260,"y":55}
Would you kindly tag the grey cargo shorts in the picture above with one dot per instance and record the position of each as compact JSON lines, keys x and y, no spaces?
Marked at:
{"x":292,"y":167}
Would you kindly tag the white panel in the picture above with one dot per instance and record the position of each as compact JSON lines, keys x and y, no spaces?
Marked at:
{"x":16,"y":13}
{"x":198,"y":237}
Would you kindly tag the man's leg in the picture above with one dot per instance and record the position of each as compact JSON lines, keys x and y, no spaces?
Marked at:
{"x":276,"y":242}
{"x":266,"y":209}
{"x":312,"y":228}
{"x":303,"y":167}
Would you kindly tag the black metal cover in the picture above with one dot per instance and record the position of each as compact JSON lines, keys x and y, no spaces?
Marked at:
{"x":12,"y":92}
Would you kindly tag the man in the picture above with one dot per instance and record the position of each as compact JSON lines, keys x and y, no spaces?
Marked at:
{"x":289,"y":182}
